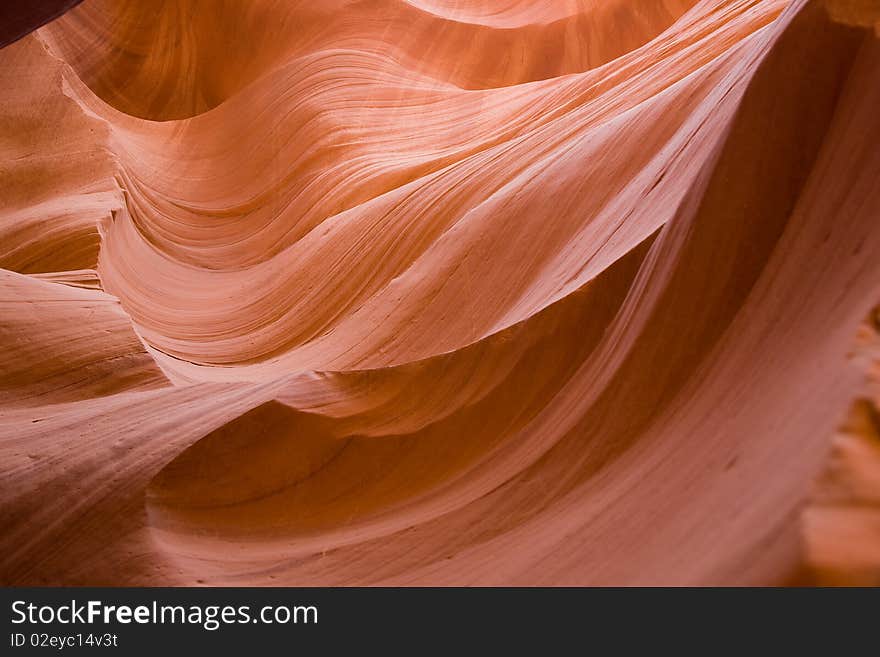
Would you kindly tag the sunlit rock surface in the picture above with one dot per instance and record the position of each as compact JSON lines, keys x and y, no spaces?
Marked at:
{"x":439,"y":292}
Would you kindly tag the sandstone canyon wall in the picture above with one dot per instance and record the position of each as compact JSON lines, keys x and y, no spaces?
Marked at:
{"x":468,"y":292}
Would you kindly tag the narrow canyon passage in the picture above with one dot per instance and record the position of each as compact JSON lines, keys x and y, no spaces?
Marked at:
{"x":439,"y":292}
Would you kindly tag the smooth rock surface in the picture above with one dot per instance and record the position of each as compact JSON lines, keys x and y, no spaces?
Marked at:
{"x":437,"y":292}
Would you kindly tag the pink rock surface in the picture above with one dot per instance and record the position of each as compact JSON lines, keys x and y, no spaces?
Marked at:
{"x":436,"y":292}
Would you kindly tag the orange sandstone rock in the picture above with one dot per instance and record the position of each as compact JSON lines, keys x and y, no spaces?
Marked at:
{"x":434,"y":291}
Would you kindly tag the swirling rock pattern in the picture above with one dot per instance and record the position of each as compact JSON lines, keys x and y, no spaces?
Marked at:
{"x":433,"y":291}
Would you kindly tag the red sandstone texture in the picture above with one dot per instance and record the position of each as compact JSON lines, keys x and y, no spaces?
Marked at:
{"x":441,"y":292}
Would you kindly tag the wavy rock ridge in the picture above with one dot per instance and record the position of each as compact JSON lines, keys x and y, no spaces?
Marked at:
{"x":434,"y":291}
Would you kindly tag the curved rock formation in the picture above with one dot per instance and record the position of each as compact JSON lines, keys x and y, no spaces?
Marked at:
{"x":434,"y":291}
